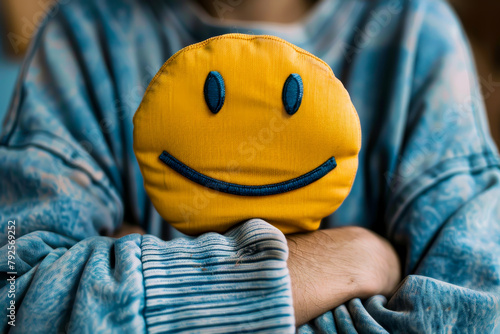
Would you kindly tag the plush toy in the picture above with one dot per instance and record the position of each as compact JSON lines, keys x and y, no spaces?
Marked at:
{"x":240,"y":127}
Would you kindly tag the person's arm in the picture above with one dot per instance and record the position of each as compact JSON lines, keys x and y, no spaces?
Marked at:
{"x":215,"y":283}
{"x":442,"y":212}
{"x":364,"y":265}
{"x":330,"y":267}
{"x":63,"y":184}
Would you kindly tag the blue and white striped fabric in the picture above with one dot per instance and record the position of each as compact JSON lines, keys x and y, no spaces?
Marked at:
{"x":429,"y":178}
{"x":186,"y":280}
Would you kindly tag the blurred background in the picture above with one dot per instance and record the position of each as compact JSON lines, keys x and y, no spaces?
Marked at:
{"x":18,"y":21}
{"x":20,"y":18}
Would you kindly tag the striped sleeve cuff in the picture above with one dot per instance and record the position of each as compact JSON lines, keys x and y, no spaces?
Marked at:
{"x":232,"y":283}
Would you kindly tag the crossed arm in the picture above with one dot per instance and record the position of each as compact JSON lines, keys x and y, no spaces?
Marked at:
{"x":330,"y":267}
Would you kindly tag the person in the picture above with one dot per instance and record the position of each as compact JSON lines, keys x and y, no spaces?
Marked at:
{"x":428,"y":181}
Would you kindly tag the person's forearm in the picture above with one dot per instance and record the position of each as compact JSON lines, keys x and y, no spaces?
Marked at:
{"x":330,"y":267}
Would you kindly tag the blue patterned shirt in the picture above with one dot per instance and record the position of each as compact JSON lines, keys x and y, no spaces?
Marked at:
{"x":428,"y":179}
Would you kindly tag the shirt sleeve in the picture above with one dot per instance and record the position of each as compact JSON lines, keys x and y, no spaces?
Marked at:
{"x":61,"y":186}
{"x":442,"y":212}
{"x":237,"y":282}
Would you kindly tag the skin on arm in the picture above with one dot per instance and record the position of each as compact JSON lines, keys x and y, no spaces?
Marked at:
{"x":330,"y":267}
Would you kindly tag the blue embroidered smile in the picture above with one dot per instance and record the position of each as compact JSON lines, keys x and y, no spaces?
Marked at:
{"x":243,"y":190}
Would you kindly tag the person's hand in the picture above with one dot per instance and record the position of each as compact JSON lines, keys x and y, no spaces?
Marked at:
{"x":127,"y":229}
{"x":330,"y":267}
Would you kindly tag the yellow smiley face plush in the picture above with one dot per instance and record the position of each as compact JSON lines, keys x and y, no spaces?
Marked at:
{"x":240,"y":127}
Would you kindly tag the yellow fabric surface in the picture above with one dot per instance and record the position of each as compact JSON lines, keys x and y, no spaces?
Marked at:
{"x":251,"y":140}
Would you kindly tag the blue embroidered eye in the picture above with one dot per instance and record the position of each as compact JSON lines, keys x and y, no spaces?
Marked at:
{"x":215,"y":91}
{"x":292,"y":93}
